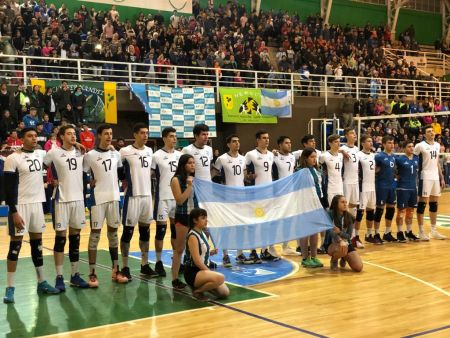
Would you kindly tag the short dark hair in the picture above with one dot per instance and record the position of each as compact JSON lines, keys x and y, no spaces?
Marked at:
{"x":281,"y":139}
{"x":387,"y":138}
{"x":406,"y":142}
{"x":348,"y":129}
{"x":24,"y":131}
{"x":33,"y":108}
{"x":195,"y":214}
{"x":166,"y":131}
{"x":333,"y":138}
{"x":102,"y":127}
{"x":62,"y":130}
{"x":424,"y":128}
{"x":39,"y":124}
{"x":199,"y":128}
{"x":230,"y":137}
{"x":365,"y":137}
{"x":138,"y":126}
{"x":306,"y":138}
{"x":260,"y":132}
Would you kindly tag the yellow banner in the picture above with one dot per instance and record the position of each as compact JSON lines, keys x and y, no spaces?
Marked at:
{"x":110,"y":102}
{"x":40,"y":83}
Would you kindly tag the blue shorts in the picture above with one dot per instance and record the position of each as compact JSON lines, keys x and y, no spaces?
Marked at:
{"x":385,"y":196}
{"x":406,"y":198}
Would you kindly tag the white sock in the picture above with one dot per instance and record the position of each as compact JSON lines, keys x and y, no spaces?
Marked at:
{"x":388,"y":230}
{"x":377,"y":231}
{"x":59,"y":270}
{"x":158,"y":255}
{"x":408,"y":227}
{"x":399,"y":228}
{"x":433,"y":227}
{"x":73,"y":268}
{"x":10,"y":279}
{"x":356,"y":232}
{"x":40,"y":274}
{"x":369,"y":231}
{"x":421,"y":228}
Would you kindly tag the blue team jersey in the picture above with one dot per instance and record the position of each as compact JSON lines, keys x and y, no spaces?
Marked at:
{"x":407,"y":171}
{"x":385,"y":177}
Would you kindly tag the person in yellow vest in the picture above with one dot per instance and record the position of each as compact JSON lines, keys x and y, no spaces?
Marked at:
{"x":436,"y":126}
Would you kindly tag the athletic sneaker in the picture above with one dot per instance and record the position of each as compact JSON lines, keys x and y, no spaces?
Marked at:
{"x":377,"y":239}
{"x":241,"y":259}
{"x":9,"y":295}
{"x":126,"y":272}
{"x":267,"y":256}
{"x":342,"y":262}
{"x":317,"y":263}
{"x":333,"y":264}
{"x":147,"y":271}
{"x":436,"y":235}
{"x":423,"y":237}
{"x":226,"y":262}
{"x":59,"y":284}
{"x":389,"y":238}
{"x":273,"y":252}
{"x":78,"y":282}
{"x":44,"y":287}
{"x":358,"y":243}
{"x":288,"y":251}
{"x":401,"y":237}
{"x":93,"y":280}
{"x":411,"y":236}
{"x":254,"y":257}
{"x":118,"y":277}
{"x":369,"y":239}
{"x":307,"y":263}
{"x":159,"y":268}
{"x":177,"y":284}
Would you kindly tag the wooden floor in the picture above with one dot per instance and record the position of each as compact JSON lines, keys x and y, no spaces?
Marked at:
{"x":403,"y":290}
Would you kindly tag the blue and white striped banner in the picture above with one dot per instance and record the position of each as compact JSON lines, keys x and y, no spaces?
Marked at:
{"x":257,"y":216}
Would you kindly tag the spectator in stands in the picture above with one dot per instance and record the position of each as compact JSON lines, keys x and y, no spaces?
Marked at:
{"x":120,"y":143}
{"x":347,"y":109}
{"x":52,"y":142}
{"x":5,"y":98}
{"x":41,"y":136}
{"x":63,"y":98}
{"x":78,"y":104}
{"x":37,"y":101}
{"x":7,"y":124}
{"x":47,"y":126}
{"x":50,"y":105}
{"x":31,"y":119}
{"x":87,"y":138}
{"x":22,"y":102}
{"x":436,"y":126}
{"x":13,"y":140}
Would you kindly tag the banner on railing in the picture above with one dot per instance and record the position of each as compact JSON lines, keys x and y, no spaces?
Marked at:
{"x":243,"y":105}
{"x":180,"y":108}
{"x":276,"y":102}
{"x":101,"y":98}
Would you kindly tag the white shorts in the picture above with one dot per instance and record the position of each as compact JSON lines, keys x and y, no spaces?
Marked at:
{"x":137,"y":209}
{"x":351,"y":193}
{"x":331,"y":194}
{"x":429,"y":188}
{"x":69,"y":214}
{"x":165,"y":209}
{"x":109,"y":211}
{"x":368,"y":200}
{"x":33,"y":219}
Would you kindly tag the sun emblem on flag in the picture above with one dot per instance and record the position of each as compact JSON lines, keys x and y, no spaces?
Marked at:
{"x":259,"y":212}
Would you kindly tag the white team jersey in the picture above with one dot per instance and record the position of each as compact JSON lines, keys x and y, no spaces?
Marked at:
{"x":233,"y":169}
{"x":284,"y":165}
{"x":29,"y":167}
{"x":367,"y":170}
{"x":67,"y":168}
{"x":333,"y":165}
{"x":261,"y":165}
{"x":203,"y":158}
{"x":165,"y":164}
{"x":137,"y":163}
{"x":103,"y":167}
{"x":350,"y":165}
{"x":429,"y":160}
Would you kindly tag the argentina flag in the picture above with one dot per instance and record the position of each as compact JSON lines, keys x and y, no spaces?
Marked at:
{"x":276,"y":103}
{"x":257,"y":216}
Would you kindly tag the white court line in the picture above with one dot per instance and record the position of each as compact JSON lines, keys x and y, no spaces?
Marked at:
{"x":437,"y":288}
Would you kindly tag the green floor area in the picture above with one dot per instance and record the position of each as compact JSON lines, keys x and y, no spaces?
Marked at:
{"x":76,"y":309}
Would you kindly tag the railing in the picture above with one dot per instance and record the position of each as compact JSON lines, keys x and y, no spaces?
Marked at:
{"x":18,"y":68}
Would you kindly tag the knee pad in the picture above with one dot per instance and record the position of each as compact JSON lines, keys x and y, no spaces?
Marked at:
{"x":433,"y":206}
{"x":370,"y":215}
{"x":378,"y":214}
{"x":74,"y":248}
{"x":144,"y":234}
{"x":359,"y":215}
{"x":60,"y":243}
{"x":14,"y":249}
{"x":36,"y":252}
{"x":94,"y":238}
{"x":113,"y":239}
{"x":160,"y":231}
{"x":127,"y":234}
{"x":389,"y":214}
{"x":173,"y":231}
{"x":421,"y":207}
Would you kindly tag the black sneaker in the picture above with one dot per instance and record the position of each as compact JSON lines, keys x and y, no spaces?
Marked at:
{"x":411,"y":236}
{"x":299,"y":250}
{"x":369,"y":239}
{"x":226,"y":262}
{"x":401,"y":237}
{"x":254,"y":257}
{"x":212,"y":265}
{"x":377,"y":239}
{"x":126,"y":272}
{"x":159,"y":268}
{"x":241,"y":259}
{"x":267,"y":256}
{"x":321,"y":250}
{"x":389,"y":238}
{"x":147,"y":271}
{"x":177,"y":284}
{"x":181,"y":269}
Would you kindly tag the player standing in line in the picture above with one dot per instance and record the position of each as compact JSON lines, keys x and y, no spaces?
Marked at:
{"x":24,"y":195}
{"x":164,"y":166}
{"x":283,"y":166}
{"x":351,"y":165}
{"x":259,"y":163}
{"x":385,"y":189}
{"x":105,"y":169}
{"x":66,"y":164}
{"x":332,"y":163}
{"x":431,"y":181}
{"x":407,"y":170}
{"x":137,"y":207}
{"x":231,"y":166}
{"x":367,"y":191}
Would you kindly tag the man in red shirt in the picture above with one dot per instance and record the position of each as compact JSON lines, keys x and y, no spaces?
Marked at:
{"x":13,"y":140}
{"x":87,"y":138}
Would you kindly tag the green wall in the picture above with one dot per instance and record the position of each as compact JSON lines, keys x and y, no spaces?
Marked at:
{"x":428,"y":26}
{"x":303,"y":7}
{"x":357,"y":13}
{"x":217,"y":3}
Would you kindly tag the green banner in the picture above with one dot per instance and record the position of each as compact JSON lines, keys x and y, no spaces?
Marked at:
{"x":242,"y":105}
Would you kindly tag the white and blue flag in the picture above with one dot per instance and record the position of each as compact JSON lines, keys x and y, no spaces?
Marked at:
{"x":257,"y":216}
{"x":276,"y":103}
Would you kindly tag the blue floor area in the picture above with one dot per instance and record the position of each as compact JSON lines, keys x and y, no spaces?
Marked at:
{"x":238,"y":274}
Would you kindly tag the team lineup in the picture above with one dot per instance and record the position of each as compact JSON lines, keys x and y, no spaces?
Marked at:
{"x":350,"y":181}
